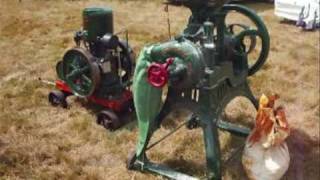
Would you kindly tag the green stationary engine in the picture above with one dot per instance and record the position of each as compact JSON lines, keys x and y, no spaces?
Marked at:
{"x":99,"y":68}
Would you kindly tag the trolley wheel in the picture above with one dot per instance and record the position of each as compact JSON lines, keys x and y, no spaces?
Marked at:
{"x":58,"y":98}
{"x":131,"y":159}
{"x":109,"y":120}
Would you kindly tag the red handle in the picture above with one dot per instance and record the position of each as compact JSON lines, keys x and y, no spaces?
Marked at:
{"x":158,"y":73}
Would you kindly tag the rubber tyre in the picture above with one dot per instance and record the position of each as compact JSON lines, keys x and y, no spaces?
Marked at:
{"x":57,"y":98}
{"x":109,"y":120}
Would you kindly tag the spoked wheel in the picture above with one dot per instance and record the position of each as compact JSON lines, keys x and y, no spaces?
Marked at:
{"x":253,"y":40}
{"x":58,"y":98}
{"x":81,"y":72}
{"x":250,"y":35}
{"x":109,"y":120}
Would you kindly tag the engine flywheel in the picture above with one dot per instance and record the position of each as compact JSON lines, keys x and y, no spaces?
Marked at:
{"x":80,"y":71}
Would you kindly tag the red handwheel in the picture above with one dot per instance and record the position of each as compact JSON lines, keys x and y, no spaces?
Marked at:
{"x":158,"y":74}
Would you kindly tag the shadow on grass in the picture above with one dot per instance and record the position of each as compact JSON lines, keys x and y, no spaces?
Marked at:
{"x":189,"y":167}
{"x":305,"y":157}
{"x":127,"y":118}
{"x":304,"y":154}
{"x":232,"y":169}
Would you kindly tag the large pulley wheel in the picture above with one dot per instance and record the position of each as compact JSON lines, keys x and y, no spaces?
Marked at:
{"x":81,"y":72}
{"x":248,"y":32}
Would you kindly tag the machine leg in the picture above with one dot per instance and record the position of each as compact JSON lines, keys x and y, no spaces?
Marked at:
{"x":212,"y":146}
{"x":248,"y":93}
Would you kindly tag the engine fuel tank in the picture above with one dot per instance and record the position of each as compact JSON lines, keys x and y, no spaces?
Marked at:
{"x":97,"y":21}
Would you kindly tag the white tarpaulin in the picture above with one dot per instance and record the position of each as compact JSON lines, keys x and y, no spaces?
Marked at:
{"x":303,"y":11}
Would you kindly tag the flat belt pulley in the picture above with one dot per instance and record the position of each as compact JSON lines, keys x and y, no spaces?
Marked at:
{"x":80,"y":71}
{"x":255,"y":30}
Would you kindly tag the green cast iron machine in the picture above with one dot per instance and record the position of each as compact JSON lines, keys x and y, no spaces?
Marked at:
{"x":99,"y":68}
{"x":204,"y":69}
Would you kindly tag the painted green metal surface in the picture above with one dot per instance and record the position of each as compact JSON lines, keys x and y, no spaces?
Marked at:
{"x":97,"y":22}
{"x":147,"y":99}
{"x":80,"y":72}
{"x":216,"y":72}
{"x":261,"y":31}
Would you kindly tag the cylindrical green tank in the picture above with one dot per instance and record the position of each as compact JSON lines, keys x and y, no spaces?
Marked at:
{"x":97,"y":22}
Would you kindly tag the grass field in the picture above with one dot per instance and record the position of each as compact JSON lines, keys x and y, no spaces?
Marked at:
{"x":38,"y":141}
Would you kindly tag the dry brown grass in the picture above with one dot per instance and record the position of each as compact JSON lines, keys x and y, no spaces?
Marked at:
{"x":38,"y":141}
